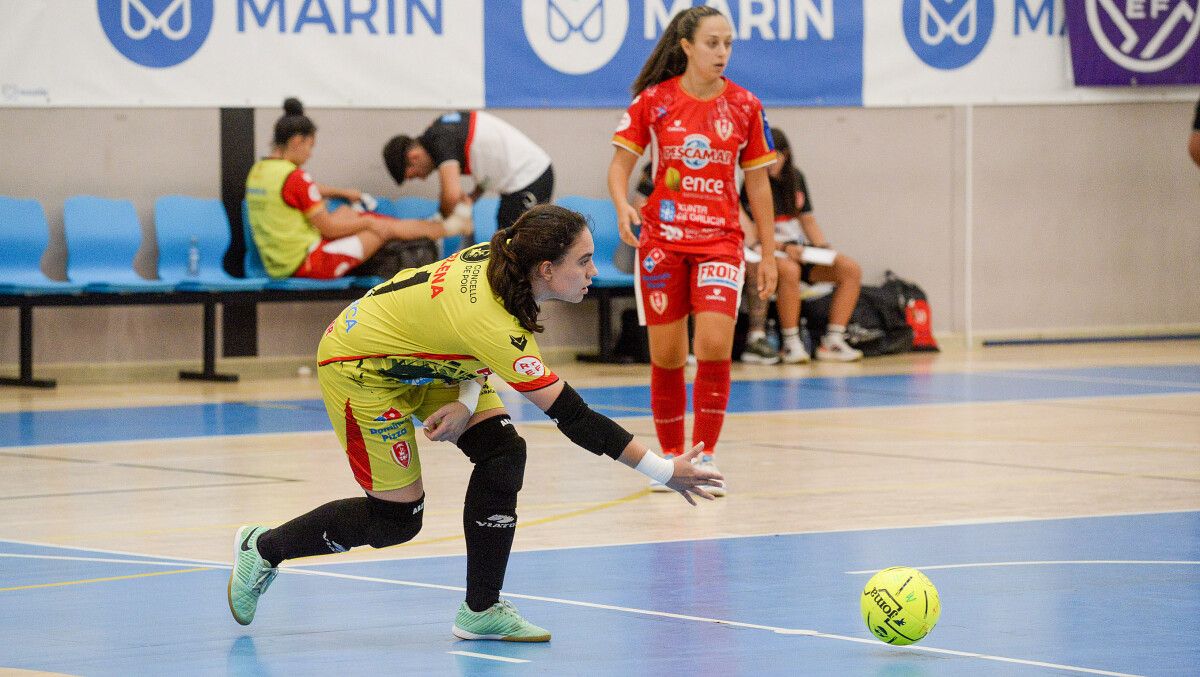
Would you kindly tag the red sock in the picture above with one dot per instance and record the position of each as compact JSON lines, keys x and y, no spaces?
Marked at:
{"x":710,"y":395}
{"x":668,"y":401}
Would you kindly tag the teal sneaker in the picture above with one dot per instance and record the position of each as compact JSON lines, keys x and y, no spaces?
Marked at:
{"x":499,"y":621}
{"x":251,"y":575}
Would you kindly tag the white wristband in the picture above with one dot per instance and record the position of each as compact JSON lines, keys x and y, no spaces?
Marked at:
{"x":656,"y":467}
{"x":468,"y":394}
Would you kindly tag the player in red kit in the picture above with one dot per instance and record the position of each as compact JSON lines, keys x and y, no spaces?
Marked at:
{"x":700,"y":127}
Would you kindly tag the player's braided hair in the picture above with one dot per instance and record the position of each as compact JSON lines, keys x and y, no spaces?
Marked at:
{"x":293,"y":123}
{"x":544,"y":233}
{"x":668,"y":59}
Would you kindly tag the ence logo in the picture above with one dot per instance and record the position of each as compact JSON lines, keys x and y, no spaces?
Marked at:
{"x":948,"y":34}
{"x":1144,"y":37}
{"x":156,"y":33}
{"x":575,"y":36}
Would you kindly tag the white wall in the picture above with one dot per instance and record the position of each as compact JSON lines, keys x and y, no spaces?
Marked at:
{"x":1083,"y":219}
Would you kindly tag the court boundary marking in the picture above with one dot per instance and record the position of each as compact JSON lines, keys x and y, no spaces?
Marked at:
{"x":1049,"y":562}
{"x":1015,"y":519}
{"x":309,"y":571}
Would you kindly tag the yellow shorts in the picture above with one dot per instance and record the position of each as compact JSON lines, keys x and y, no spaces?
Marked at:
{"x":373,"y":418}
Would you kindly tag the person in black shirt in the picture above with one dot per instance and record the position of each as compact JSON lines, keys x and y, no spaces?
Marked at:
{"x":477,"y":144}
{"x":802,"y":254}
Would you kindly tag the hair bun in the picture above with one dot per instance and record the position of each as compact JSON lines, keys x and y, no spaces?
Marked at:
{"x":292,"y":106}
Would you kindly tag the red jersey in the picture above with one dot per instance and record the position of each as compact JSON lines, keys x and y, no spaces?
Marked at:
{"x":299,"y":191}
{"x":694,"y":206}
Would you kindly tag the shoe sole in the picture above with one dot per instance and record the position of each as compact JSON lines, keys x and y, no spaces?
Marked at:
{"x":837,"y":358}
{"x":759,"y":360}
{"x":463,"y":634}
{"x":237,"y":543}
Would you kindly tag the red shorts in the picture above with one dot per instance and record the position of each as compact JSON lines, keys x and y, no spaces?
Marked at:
{"x":671,"y":285}
{"x":332,"y":258}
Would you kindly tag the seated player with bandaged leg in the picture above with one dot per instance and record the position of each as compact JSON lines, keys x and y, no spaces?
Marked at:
{"x":296,"y":233}
{"x":422,"y":345}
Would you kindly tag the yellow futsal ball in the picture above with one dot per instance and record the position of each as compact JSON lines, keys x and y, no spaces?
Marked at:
{"x":672,"y":178}
{"x":900,"y":605}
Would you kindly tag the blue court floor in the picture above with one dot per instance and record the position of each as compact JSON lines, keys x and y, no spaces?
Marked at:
{"x":1099,"y":595}
{"x":1103,"y":595}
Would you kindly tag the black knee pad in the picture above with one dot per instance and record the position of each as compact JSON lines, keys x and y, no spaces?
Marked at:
{"x":394,"y":523}
{"x":498,"y":453}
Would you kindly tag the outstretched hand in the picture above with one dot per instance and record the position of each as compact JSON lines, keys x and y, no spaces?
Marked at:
{"x":691,"y":479}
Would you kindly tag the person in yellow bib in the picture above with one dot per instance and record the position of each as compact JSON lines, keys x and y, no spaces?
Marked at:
{"x":423,"y":345}
{"x":296,"y":233}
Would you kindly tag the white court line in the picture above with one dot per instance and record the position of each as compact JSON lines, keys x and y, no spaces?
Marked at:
{"x":489,"y":657}
{"x":737,"y":624}
{"x":1066,"y":378}
{"x":972,"y":565}
{"x":104,"y":560}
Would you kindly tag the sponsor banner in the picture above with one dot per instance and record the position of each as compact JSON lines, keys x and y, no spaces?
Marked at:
{"x":1134,"y":42}
{"x":361,"y":53}
{"x":954,"y":52}
{"x":586,"y":53}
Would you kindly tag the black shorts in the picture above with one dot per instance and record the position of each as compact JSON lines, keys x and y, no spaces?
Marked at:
{"x":513,"y":205}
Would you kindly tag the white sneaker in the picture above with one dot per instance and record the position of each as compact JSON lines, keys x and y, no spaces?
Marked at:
{"x":837,"y":350}
{"x":791,"y":355}
{"x":707,"y":462}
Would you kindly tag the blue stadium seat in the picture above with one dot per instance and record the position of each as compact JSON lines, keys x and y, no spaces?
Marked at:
{"x":25,"y":234}
{"x":603,"y":217}
{"x":486,"y":212}
{"x":609,"y":282}
{"x":103,"y":236}
{"x":411,"y":208}
{"x":178,"y":220}
{"x":254,"y":265}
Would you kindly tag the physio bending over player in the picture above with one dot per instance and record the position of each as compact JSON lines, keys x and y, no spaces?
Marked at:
{"x":420,"y":345}
{"x":296,"y":233}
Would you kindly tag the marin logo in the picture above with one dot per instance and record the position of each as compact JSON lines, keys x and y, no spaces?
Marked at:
{"x":477,"y":253}
{"x":1144,"y":37}
{"x":519,"y":342}
{"x":948,"y":34}
{"x":575,"y":36}
{"x":156,"y":33}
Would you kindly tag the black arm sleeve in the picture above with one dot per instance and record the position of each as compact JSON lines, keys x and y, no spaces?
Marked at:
{"x":597,"y":433}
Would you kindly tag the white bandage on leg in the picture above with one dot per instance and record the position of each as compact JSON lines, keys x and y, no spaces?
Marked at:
{"x":468,"y":394}
{"x":656,"y":467}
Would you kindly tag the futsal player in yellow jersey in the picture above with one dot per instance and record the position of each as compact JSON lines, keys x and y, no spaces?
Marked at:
{"x":423,"y":345}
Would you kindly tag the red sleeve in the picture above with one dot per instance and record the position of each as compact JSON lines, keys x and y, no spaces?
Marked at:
{"x":300,"y":192}
{"x":760,"y":148}
{"x":633,"y":132}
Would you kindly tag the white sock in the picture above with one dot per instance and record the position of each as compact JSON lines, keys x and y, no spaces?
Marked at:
{"x":791,"y":339}
{"x":754,"y":335}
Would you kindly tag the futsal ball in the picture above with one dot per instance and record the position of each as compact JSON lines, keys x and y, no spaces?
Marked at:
{"x":900,"y":605}
{"x":672,"y":178}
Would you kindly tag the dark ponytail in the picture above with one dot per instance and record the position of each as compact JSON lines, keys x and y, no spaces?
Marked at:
{"x":668,"y":59}
{"x":544,"y":233}
{"x":785,"y":186}
{"x":293,"y":123}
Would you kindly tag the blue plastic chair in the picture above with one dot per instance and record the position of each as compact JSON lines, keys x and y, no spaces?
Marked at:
{"x":485,"y":216}
{"x":103,"y":236}
{"x":254,"y":266}
{"x":25,"y":234}
{"x":603,"y":217}
{"x":178,"y":220}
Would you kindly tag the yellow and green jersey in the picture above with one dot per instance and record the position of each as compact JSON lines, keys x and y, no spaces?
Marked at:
{"x":281,"y":230}
{"x":440,"y":323}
